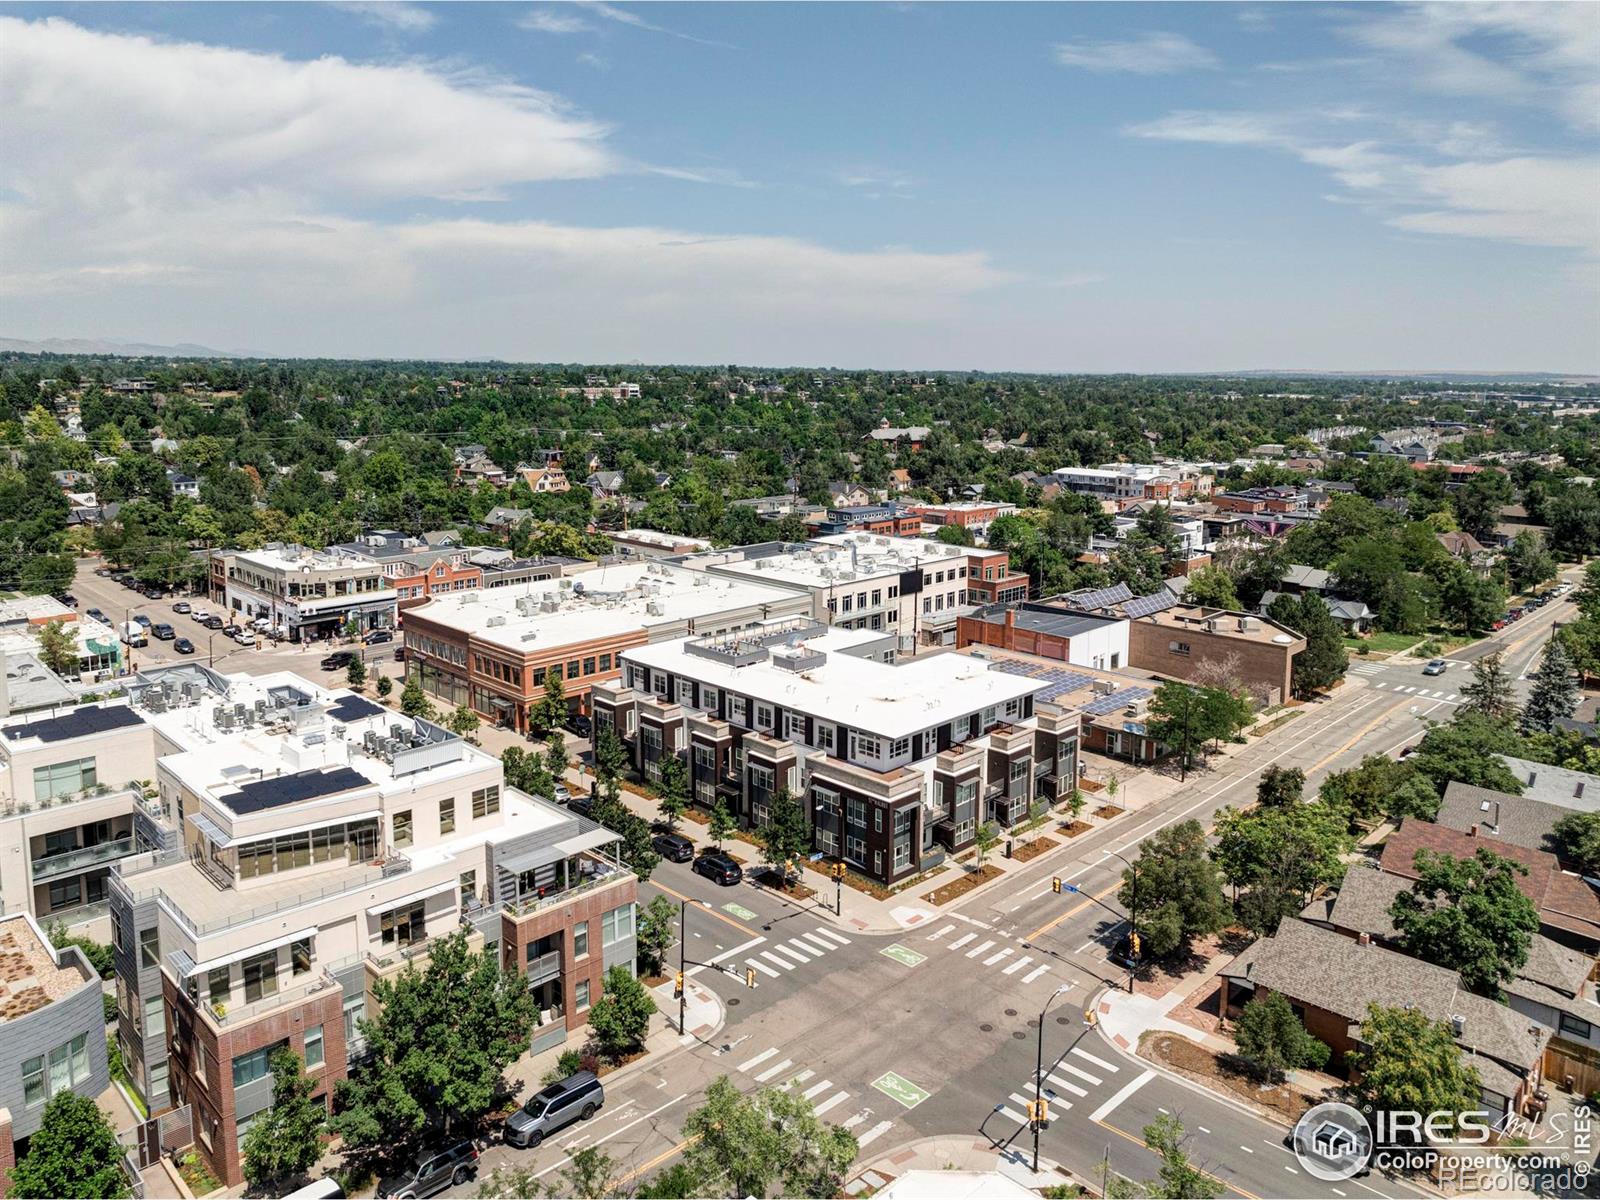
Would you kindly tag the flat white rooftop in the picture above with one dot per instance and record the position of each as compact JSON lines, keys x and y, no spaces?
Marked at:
{"x":278,"y":557}
{"x":605,"y":602}
{"x":891,"y":700}
{"x":844,"y":558}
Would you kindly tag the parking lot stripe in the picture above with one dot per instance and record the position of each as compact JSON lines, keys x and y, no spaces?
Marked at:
{"x":817,"y":1089}
{"x":980,"y":948}
{"x":1099,"y":1062}
{"x":836,"y":1098}
{"x":962,"y":941}
{"x":1018,"y":965}
{"x":758,"y":1059}
{"x":777,"y":1070}
{"x":762,"y":967}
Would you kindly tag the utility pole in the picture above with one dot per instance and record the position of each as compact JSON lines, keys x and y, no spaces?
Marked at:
{"x":1041,"y":1114}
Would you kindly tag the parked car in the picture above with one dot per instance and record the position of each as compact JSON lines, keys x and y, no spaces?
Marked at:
{"x":68,"y":599}
{"x":579,"y":724}
{"x":337,"y":661}
{"x":1435,"y":667}
{"x":199,"y":614}
{"x":378,"y":636}
{"x":182,"y":606}
{"x":98,"y":616}
{"x":442,"y":1169}
{"x":674,"y":847}
{"x":183,"y":646}
{"x":582,"y":804}
{"x":161,"y":631}
{"x":212,"y":622}
{"x":718,"y":868}
{"x":245,"y":637}
{"x":561,"y":793}
{"x":576,"y":1098}
{"x":143,"y":620}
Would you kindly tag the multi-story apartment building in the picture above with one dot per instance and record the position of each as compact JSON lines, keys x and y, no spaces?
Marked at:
{"x":310,"y":594}
{"x":322,"y":843}
{"x":1122,"y":483}
{"x":888,"y":518}
{"x":973,"y":515}
{"x":895,"y":764}
{"x":52,"y":1031}
{"x":491,"y":650}
{"x":414,"y":569}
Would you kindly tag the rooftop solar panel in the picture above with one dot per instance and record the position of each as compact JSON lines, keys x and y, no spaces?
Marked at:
{"x":80,"y":722}
{"x":1116,"y":700}
{"x":354,"y":708}
{"x":1117,"y":593}
{"x":291,"y":789}
{"x":1144,"y":606}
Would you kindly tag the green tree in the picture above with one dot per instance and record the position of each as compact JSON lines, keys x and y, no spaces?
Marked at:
{"x":414,"y":701}
{"x":1379,"y":786}
{"x":1281,"y":855}
{"x":620,"y":1018}
{"x":385,"y":686}
{"x":286,"y":1141}
{"x":1527,"y":562}
{"x":986,"y":838}
{"x":658,"y":930}
{"x":556,"y":758}
{"x":722,"y":823}
{"x":101,"y":957}
{"x":1179,"y":720}
{"x":1409,"y":1063}
{"x":1466,"y":750}
{"x":1469,"y":915}
{"x":58,"y":649}
{"x":744,"y":1144}
{"x":1212,"y":587}
{"x":1178,"y":1178}
{"x":1577,"y":838}
{"x":74,"y":1153}
{"x":551,"y":710}
{"x":1554,"y":695}
{"x":356,"y":673}
{"x":677,"y":1182}
{"x":672,"y":789}
{"x":1492,"y":692}
{"x":1173,"y":892}
{"x":463,"y":721}
{"x":953,"y":535}
{"x":1280,"y":786}
{"x":786,"y":836}
{"x":438,"y":1048}
{"x":1272,"y":1039}
{"x":1324,"y":660}
{"x":1075,"y":801}
{"x":638,"y":846}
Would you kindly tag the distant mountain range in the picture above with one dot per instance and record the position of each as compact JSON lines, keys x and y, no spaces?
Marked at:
{"x":108,"y":347}
{"x":1424,"y":376}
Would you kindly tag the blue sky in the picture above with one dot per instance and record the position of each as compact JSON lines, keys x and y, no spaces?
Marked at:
{"x":1033,"y":187}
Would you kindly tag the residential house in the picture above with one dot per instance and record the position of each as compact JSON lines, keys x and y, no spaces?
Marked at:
{"x":910,"y":436}
{"x":543,"y":480}
{"x":1561,"y":786}
{"x":604,"y":484}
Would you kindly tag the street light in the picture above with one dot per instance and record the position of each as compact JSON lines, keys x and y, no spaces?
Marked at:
{"x":1133,"y":917}
{"x":1038,"y":1075}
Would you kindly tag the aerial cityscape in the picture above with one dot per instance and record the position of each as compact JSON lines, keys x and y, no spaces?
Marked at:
{"x":938,"y":600}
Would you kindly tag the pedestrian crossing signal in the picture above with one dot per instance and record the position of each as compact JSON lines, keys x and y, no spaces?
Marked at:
{"x":1133,"y":944}
{"x":1090,"y":1017}
{"x":677,"y":986}
{"x":1055,"y":884}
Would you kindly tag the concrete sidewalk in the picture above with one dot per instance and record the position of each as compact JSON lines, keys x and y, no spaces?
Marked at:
{"x":957,"y":1153}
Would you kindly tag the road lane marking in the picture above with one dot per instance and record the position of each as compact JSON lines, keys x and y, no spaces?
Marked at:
{"x":873,"y":1134}
{"x":1099,"y":1062}
{"x":800,"y":1078}
{"x":618,"y":1130}
{"x":777,"y":1070}
{"x":831,"y":936}
{"x":836,"y":1098}
{"x":1035,"y":973}
{"x":816,"y":1090}
{"x":1202,"y":1129}
{"x":800,"y":950}
{"x":1067,"y":1087}
{"x":762,"y":967}
{"x":1245,"y":1148}
{"x":962,"y":941}
{"x":980,"y":948}
{"x":710,"y":912}
{"x":658,"y":1159}
{"x":758,"y":1059}
{"x":933,"y":937}
{"x":1072,"y":1070}
{"x":1128,"y":1089}
{"x":1018,"y":965}
{"x":799,"y":958}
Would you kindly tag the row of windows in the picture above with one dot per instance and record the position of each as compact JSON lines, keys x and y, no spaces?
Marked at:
{"x":64,"y":778}
{"x":64,"y":1068}
{"x":444,"y":651}
{"x":496,"y":669}
{"x":357,"y":840}
{"x":576,"y":668}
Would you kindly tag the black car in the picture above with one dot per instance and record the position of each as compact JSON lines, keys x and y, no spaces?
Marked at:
{"x":582,"y":804}
{"x":98,"y":616}
{"x":68,"y":599}
{"x":453,"y":1165}
{"x":183,"y":646}
{"x":212,"y":622}
{"x":579,"y":724}
{"x":162,"y":632}
{"x":674,"y":847}
{"x":719,"y":868}
{"x":232,"y":630}
{"x":338,"y":660}
{"x":378,"y":636}
{"x":182,"y":606}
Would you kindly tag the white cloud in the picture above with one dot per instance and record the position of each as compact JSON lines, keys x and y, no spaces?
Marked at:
{"x":1153,"y":53}
{"x":876,"y":179}
{"x":1536,"y":201}
{"x":398,"y":16}
{"x":548,"y":20}
{"x":624,"y":16}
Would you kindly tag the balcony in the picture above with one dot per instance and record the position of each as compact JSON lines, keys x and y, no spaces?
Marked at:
{"x":604,"y":877}
{"x":98,"y":792}
{"x":72,"y":861}
{"x":231,"y":1016}
{"x":546,"y":966}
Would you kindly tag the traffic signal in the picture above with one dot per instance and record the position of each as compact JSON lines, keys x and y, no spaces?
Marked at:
{"x":1055,"y":884}
{"x":838,"y":871}
{"x":749,"y":977}
{"x":677,"y":986}
{"x":1039,"y":1113}
{"x":1090,"y":1017}
{"x":1133,"y":944}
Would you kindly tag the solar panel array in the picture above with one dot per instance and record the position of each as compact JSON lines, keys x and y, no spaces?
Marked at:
{"x":1143,"y":606}
{"x":1116,"y":700}
{"x":1102,"y":597}
{"x":1059,"y":682}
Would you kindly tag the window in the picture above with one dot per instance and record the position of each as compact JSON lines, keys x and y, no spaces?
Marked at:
{"x":902,"y":854}
{"x":149,"y":946}
{"x":794,"y":727}
{"x":855,"y":849}
{"x":1178,"y":648}
{"x":763,"y":716}
{"x":1013,"y":708}
{"x":899,"y":747}
{"x":300,"y":956}
{"x":927,"y":604}
{"x":63,"y":779}
{"x":877,"y":819}
{"x":573,"y":668}
{"x":404,"y":926}
{"x":581,"y":996}
{"x":588,"y":665}
{"x":219,"y":982}
{"x":402,"y":828}
{"x":877,"y":597}
{"x":824,"y":736}
{"x":845,"y":604}
{"x":1019,"y":768}
{"x":486,"y":800}
{"x":65,"y":1067}
{"x":257,"y":1064}
{"x":580,"y":940}
{"x":1575,"y":1027}
{"x":155,"y":1019}
{"x":355,"y":1008}
{"x":314,"y":1053}
{"x":447,"y":815}
{"x":867,"y":747}
{"x":736,"y":708}
{"x":605,"y":662}
{"x":33,"y":1089}
{"x":855,"y":811}
{"x":877,"y":862}
{"x":685,"y":691}
{"x":894,"y":591}
{"x":261,"y":976}
{"x":616,"y":925}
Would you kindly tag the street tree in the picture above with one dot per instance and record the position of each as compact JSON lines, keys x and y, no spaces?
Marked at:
{"x":672,"y":789}
{"x":355,"y":674}
{"x":1280,"y":786}
{"x":1578,"y":840}
{"x":1466,"y":749}
{"x":638,"y":842}
{"x":462,"y":721}
{"x":1178,"y":719}
{"x":1554,"y":695}
{"x":74,"y":1154}
{"x":1173,"y":891}
{"x":414,"y":701}
{"x":1178,"y":1178}
{"x":1273,"y":1040}
{"x":1527,"y":562}
{"x":1492,"y":692}
{"x":58,"y":649}
{"x":1075,"y":800}
{"x":677,"y":1182}
{"x":1280,"y":856}
{"x":556,"y":758}
{"x":721,"y":824}
{"x":286,"y":1141}
{"x":1324,"y":660}
{"x":1469,"y":915}
{"x":1407,"y":1062}
{"x":1380,"y":786}
{"x":657,"y":932}
{"x":744,"y":1144}
{"x":986,"y":838}
{"x":620,"y":1018}
{"x":786,"y":837}
{"x":385,"y":686}
{"x":437,"y":1048}
{"x":548,"y":712}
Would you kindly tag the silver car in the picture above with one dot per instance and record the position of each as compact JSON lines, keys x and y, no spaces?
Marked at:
{"x":576,"y":1098}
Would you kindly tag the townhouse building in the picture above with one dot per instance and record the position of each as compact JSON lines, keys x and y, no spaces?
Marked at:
{"x":492,"y":649}
{"x":895,"y":764}
{"x":310,"y":594}
{"x":320,"y":843}
{"x":413,"y":568}
{"x":889,"y":518}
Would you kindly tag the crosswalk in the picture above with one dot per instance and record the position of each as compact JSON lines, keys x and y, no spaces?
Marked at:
{"x":768,"y":1069}
{"x":1073,"y":1078}
{"x":988,"y":952}
{"x":1369,"y":668}
{"x":1421,"y":693}
{"x":776,"y":959}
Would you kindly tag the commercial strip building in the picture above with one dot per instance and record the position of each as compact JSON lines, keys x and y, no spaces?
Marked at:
{"x":975,"y":516}
{"x":99,"y":648}
{"x":309,"y":594}
{"x":492,"y":649}
{"x":895,"y":764}
{"x":318,"y":843}
{"x":52,"y":1031}
{"x":415,"y":569}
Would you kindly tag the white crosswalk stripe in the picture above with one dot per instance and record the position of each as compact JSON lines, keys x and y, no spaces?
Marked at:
{"x":796,"y":946}
{"x":994,"y":958}
{"x":762,"y":967}
{"x":933,"y":937}
{"x":1018,"y":965}
{"x":828,"y":935}
{"x":1099,"y":1062}
{"x":1024,"y":1101}
{"x":798,"y":1079}
{"x":815,"y":1090}
{"x":1056,"y":1081}
{"x":962,"y":941}
{"x":811,"y":941}
{"x":830,"y":1102}
{"x":802,"y":959}
{"x":980,"y":948}
{"x":777,"y":1070}
{"x":1035,"y":973}
{"x":873,"y":1134}
{"x":1072,"y":1070}
{"x":776,"y":961}
{"x":1013,"y":1116}
{"x":758,"y":1059}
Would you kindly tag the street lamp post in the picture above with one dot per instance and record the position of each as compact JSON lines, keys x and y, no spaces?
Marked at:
{"x":1133,"y":917}
{"x":1038,"y":1074}
{"x":683,"y":942}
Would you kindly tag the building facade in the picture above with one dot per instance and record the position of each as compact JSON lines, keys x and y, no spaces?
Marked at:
{"x":310,"y":594}
{"x":415,"y":570}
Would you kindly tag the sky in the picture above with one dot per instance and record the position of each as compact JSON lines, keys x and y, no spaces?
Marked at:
{"x":1030,"y":187}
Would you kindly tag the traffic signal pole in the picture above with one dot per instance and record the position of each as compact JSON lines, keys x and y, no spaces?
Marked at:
{"x":1058,"y":885}
{"x":680,"y":984}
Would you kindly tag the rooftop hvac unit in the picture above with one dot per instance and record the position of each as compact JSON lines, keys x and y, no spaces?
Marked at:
{"x":550,"y":605}
{"x":369,"y":741}
{"x":224,"y":719}
{"x":655,"y":609}
{"x":216,"y":713}
{"x":261,"y":707}
{"x":238,"y":710}
{"x":1104,"y":687}
{"x":495,"y":622}
{"x":397,"y":731}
